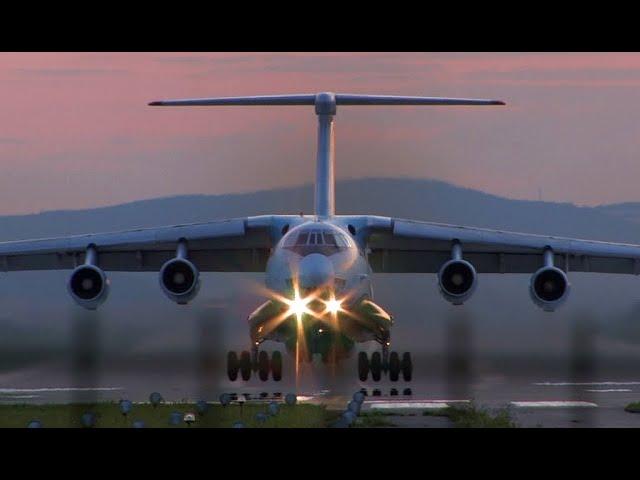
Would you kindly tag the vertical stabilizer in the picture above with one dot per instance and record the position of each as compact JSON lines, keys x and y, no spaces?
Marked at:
{"x":325,"y":105}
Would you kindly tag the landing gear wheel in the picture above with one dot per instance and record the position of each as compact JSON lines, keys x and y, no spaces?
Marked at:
{"x":394,"y":366}
{"x":407,"y":367}
{"x":232,"y":366}
{"x":263,"y":366}
{"x":376,"y":366}
{"x":245,"y":365}
{"x":363,"y":366}
{"x":276,"y":366}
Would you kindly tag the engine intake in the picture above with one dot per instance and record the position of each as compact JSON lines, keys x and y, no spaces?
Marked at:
{"x":88,"y":286}
{"x":549,"y":288}
{"x":457,"y":278}
{"x":180,"y":280}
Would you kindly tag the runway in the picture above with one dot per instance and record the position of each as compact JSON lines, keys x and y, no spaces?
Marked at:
{"x":530,"y":404}
{"x":533,"y":399}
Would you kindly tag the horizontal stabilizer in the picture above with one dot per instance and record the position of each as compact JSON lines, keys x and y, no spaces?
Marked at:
{"x":253,"y":100}
{"x":348,"y":99}
{"x":340,"y":99}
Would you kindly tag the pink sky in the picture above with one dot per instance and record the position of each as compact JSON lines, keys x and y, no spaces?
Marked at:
{"x":76,"y":131}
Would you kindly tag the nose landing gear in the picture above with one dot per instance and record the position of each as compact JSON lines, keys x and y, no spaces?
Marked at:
{"x":256,"y":361}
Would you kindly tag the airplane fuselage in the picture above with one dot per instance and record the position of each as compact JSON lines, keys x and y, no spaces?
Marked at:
{"x":319,"y":283}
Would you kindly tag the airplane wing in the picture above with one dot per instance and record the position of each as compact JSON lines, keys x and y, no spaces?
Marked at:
{"x":407,"y":246}
{"x":235,"y":245}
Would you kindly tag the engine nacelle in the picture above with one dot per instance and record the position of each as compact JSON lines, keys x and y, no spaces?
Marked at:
{"x":549,"y":288}
{"x":457,"y":280}
{"x":88,"y":286}
{"x":180,"y":280}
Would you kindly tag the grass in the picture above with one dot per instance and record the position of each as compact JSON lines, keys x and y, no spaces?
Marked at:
{"x":108,"y":415}
{"x":470,"y":416}
{"x":373,"y":420}
{"x":633,"y":407}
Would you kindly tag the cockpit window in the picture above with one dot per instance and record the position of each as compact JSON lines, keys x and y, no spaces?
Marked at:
{"x":326,"y":242}
{"x":330,"y":239}
{"x":302,"y":239}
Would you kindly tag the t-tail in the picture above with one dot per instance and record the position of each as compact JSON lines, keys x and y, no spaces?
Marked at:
{"x":325,"y":106}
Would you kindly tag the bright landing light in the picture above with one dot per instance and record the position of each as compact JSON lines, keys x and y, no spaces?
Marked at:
{"x":298,"y":306}
{"x":333,"y":306}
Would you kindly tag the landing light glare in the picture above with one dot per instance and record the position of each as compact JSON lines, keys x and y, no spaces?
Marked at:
{"x":333,"y":306}
{"x":298,"y":305}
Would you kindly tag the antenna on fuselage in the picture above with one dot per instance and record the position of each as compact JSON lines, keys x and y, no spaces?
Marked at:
{"x":325,"y":107}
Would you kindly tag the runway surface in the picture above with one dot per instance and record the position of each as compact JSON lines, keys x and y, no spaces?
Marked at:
{"x":533,"y":401}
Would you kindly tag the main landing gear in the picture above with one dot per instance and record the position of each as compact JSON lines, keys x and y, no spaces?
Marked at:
{"x":254,"y":362}
{"x":385,"y":362}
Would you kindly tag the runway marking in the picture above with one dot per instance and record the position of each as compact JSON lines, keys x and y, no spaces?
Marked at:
{"x":553,"y":404}
{"x":586,"y":384}
{"x":58,"y":389}
{"x":12,"y":398}
{"x":607,"y":390}
{"x":417,"y":404}
{"x":306,"y":398}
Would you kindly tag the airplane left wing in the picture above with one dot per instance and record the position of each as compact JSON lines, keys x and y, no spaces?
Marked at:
{"x":406,"y":246}
{"x":235,"y":245}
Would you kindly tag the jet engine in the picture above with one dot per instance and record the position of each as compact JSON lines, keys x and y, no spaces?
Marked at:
{"x":179,"y":278}
{"x":88,"y":285}
{"x":549,"y":288}
{"x":457,"y":278}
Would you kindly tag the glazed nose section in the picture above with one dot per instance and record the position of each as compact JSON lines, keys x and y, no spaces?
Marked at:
{"x":315,"y":270}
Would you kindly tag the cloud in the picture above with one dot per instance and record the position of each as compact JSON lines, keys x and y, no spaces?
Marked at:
{"x":12,"y":141}
{"x":327,"y":64}
{"x":68,"y":72}
{"x":207,"y":59}
{"x":591,"y":76}
{"x":121,"y":140}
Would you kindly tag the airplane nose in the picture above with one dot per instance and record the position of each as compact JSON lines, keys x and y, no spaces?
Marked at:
{"x":315,"y":270}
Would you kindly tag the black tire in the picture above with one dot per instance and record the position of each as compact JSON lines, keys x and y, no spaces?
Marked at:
{"x":376,"y":366}
{"x":276,"y":366}
{"x":407,"y":367}
{"x":394,"y":366}
{"x":245,"y":365}
{"x":363,"y":366}
{"x":232,"y":366}
{"x":263,"y":366}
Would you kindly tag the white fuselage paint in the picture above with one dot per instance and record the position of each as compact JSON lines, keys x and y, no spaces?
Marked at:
{"x":340,"y":266}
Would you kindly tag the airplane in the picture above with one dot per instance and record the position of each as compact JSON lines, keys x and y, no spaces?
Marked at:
{"x":318,"y":268}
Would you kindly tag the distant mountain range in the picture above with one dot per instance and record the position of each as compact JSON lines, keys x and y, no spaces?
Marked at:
{"x":430,"y":200}
{"x":629,"y":211}
{"x":38,"y":315}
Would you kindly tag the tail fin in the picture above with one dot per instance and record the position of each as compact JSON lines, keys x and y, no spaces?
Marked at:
{"x":325,"y":107}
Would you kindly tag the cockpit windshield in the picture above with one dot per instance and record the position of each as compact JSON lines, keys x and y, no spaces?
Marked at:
{"x":322,"y":241}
